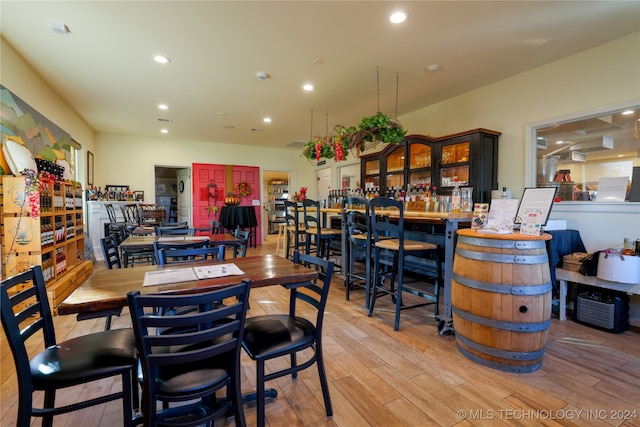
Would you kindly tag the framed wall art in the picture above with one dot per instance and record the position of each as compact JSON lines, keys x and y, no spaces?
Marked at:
{"x":89,"y":168}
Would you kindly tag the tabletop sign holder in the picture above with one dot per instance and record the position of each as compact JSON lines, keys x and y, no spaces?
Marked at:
{"x":535,"y":207}
{"x":500,"y":219}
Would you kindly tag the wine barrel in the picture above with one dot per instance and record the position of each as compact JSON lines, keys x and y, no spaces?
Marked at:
{"x":501,"y":299}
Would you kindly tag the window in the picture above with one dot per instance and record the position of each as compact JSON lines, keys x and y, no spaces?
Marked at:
{"x":572,"y":154}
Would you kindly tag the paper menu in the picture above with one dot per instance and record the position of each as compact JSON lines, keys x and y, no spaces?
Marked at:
{"x":217,"y":270}
{"x":171,"y":275}
{"x":502,"y":213}
{"x":177,"y":275}
{"x":532,"y":221}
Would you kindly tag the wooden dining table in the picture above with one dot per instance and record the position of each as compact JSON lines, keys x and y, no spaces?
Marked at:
{"x":144,"y":243}
{"x":106,"y":290}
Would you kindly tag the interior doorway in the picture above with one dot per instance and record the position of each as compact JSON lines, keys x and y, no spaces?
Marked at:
{"x":172,"y":188}
{"x":277,"y":186}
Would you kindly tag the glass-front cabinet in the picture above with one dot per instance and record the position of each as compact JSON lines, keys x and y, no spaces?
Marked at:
{"x":371,"y":171}
{"x":419,"y":164}
{"x":395,"y":167}
{"x":470,"y":158}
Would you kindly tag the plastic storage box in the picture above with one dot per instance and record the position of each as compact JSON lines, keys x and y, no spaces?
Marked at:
{"x":615,"y":267}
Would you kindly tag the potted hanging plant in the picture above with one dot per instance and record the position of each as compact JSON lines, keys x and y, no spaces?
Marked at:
{"x":335,"y":145}
{"x":377,"y":128}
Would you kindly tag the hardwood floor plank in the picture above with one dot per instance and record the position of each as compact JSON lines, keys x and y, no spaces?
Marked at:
{"x":366,"y":377}
{"x":366,"y":403}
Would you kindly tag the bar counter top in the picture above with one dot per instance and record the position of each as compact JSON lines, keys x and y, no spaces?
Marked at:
{"x":412,"y":214}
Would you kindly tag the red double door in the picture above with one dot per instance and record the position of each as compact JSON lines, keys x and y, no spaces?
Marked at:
{"x":210,"y":185}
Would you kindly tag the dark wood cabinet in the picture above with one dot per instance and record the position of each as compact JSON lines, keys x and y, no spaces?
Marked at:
{"x":469,"y":157}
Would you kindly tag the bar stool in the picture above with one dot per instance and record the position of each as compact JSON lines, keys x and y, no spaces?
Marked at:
{"x":296,"y":234}
{"x":281,"y":243}
{"x":400,"y":247}
{"x":318,"y":236}
{"x":356,"y":226}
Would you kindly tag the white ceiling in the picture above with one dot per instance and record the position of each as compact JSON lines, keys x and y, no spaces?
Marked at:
{"x":104,"y":67}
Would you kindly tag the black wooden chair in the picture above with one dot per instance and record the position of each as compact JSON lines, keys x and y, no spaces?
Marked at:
{"x":175,"y":231}
{"x":177,"y":256}
{"x":169,"y":247}
{"x":356,"y":220}
{"x":189,"y":366}
{"x":390,"y":241}
{"x":102,"y":355}
{"x":131,"y":256}
{"x":271,"y":336}
{"x":240,"y":251}
{"x":174,"y":224}
{"x":296,"y":233}
{"x":131,"y":215}
{"x":111,"y":260}
{"x":318,"y":236}
{"x":110,"y":252}
{"x":216,"y":227}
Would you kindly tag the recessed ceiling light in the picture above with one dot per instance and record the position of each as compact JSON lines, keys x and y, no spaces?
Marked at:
{"x":308,"y":87}
{"x":228,"y":127}
{"x":267,"y":120}
{"x":399,"y":17}
{"x":164,"y":130}
{"x":163,"y":106}
{"x":160,"y":59}
{"x":255,"y":129}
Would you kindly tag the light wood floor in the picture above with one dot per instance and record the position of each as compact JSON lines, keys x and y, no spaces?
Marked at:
{"x":413,"y":377}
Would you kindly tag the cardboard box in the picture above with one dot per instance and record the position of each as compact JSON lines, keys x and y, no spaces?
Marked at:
{"x":572,"y":262}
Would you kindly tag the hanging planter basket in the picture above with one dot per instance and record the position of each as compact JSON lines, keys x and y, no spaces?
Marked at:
{"x":335,"y":145}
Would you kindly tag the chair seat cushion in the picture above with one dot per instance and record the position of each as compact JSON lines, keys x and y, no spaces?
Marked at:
{"x":191,"y":381}
{"x":409,"y":245}
{"x":271,"y":335}
{"x":80,"y":359}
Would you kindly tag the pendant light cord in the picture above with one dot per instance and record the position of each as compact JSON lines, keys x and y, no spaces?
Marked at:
{"x":397,"y":86}
{"x":378,"y":85}
{"x":326,"y":122}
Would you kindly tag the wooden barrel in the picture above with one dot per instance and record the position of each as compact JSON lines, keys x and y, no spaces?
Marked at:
{"x":501,"y":299}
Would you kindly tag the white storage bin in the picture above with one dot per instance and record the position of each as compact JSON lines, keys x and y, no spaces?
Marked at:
{"x":615,"y":267}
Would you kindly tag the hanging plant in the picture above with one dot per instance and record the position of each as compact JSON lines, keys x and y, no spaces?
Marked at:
{"x":244,"y":189}
{"x":378,"y":128}
{"x":335,"y":145}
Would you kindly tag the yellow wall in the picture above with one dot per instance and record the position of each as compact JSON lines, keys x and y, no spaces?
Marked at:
{"x":24,"y":82}
{"x":605,"y":75}
{"x":130,"y":160}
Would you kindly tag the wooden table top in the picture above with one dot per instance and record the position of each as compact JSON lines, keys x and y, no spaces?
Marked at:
{"x":146,"y":242}
{"x":107,"y":289}
{"x":470,"y":232}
